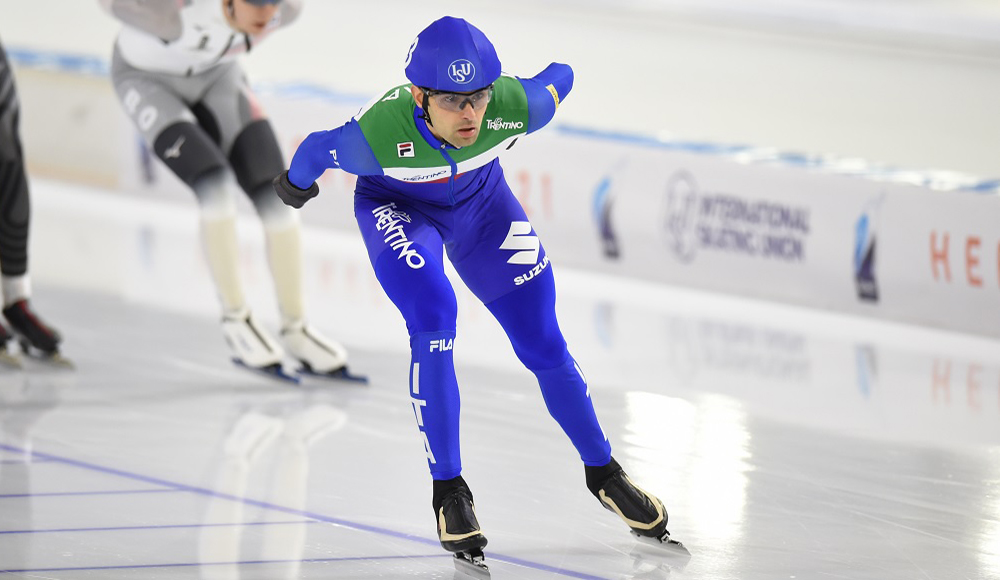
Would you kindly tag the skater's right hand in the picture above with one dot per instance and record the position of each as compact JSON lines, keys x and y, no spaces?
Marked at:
{"x":292,"y":195}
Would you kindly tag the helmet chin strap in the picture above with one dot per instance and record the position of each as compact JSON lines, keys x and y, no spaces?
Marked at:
{"x":426,"y":116}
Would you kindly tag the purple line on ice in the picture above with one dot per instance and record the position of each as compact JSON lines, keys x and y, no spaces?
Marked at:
{"x":71,"y":493}
{"x":282,"y":509}
{"x":199,"y":564}
{"x":159,"y":527}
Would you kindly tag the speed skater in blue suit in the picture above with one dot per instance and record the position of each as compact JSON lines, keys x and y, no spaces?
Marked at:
{"x":429,"y":182}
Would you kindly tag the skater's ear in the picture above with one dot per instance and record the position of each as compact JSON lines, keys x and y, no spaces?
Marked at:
{"x":418,"y":95}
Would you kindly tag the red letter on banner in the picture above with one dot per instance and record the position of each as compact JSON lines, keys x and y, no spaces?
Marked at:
{"x":940,"y":256}
{"x":972,"y":261}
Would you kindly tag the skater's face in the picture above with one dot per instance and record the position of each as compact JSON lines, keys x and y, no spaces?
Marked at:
{"x":455,"y":117}
{"x":250,"y":18}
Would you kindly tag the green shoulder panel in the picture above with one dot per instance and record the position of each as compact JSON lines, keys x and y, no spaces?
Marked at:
{"x":387,"y":124}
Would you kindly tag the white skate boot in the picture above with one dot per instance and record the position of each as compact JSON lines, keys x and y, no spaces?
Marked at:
{"x":319,"y":355}
{"x":252,"y":346}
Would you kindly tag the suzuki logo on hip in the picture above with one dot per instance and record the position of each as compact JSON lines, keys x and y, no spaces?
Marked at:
{"x":461,"y":71}
{"x":520,"y":238}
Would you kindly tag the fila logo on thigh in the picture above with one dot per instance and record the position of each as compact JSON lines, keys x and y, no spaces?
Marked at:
{"x":526,"y":246}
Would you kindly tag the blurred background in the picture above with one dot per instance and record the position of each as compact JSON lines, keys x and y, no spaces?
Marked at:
{"x":911,"y":83}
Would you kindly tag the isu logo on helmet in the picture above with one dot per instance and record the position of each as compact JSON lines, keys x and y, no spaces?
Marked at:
{"x":451,"y":55}
{"x":462,"y":71}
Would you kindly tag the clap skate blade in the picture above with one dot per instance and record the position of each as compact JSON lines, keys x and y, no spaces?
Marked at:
{"x":341,"y":374}
{"x":663,"y":543}
{"x":472,"y":563}
{"x":11,"y":361}
{"x":53,"y":358}
{"x":272,"y":371}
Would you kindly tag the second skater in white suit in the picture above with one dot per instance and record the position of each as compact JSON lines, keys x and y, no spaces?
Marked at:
{"x":176,"y":71}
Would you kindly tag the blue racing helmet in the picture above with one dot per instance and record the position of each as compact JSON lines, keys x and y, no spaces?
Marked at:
{"x":452,"y":55}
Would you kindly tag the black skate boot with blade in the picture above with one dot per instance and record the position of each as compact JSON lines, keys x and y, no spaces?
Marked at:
{"x":36,"y":338}
{"x":457,"y":526}
{"x":642,"y":511}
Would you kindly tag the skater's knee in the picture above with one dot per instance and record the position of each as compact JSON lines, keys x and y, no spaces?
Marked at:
{"x":424,"y":296}
{"x":256,"y":157}
{"x":188,"y":151}
{"x":436,"y":312}
{"x":544,"y":355}
{"x":429,"y":320}
{"x":529,"y":319}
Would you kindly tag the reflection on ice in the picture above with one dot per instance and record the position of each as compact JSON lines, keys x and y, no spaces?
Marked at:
{"x":695,"y":457}
{"x":989,"y":537}
{"x":289,"y":428}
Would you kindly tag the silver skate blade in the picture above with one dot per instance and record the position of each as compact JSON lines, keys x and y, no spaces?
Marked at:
{"x":52,"y":360}
{"x":341,"y":374}
{"x":10,"y":361}
{"x":275,"y":371}
{"x":663,"y":545}
{"x":473,"y":566}
{"x":56,"y":360}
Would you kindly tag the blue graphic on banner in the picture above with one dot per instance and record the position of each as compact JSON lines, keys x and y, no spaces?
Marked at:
{"x":864,"y":252}
{"x":603,"y":204}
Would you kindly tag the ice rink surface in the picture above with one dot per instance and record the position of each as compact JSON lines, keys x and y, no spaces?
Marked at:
{"x":786,"y":443}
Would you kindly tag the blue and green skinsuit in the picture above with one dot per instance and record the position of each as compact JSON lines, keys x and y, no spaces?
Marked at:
{"x":417,"y":197}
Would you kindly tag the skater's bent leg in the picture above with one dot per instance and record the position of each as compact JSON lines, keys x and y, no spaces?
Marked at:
{"x":256,"y":158}
{"x":528,"y":317}
{"x":426,"y":300}
{"x":192,"y":154}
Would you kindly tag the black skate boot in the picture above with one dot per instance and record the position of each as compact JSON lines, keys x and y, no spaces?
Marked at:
{"x":32,"y":333}
{"x":642,"y":511}
{"x":457,"y":526}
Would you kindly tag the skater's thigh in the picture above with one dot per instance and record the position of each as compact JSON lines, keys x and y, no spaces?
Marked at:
{"x":494,"y":249}
{"x":10,"y":141}
{"x":149,"y":101}
{"x":398,"y":229}
{"x":232,"y":106}
{"x":406,"y":252}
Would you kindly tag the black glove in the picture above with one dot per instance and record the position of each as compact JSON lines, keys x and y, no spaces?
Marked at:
{"x":292,"y":195}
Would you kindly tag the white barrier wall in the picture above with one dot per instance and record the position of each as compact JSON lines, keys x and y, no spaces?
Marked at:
{"x":661,"y":345}
{"x":833,"y":234}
